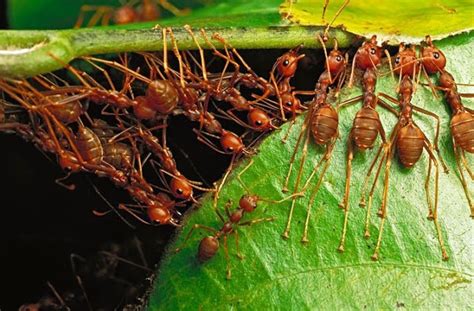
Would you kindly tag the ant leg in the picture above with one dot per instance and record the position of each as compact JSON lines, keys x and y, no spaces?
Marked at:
{"x":195,"y":227}
{"x":383,"y":208}
{"x":428,"y":148}
{"x":239,"y":254}
{"x":427,"y":189}
{"x":436,"y":147}
{"x":256,"y":221}
{"x":327,"y":158}
{"x":221,"y":183}
{"x":58,"y":297}
{"x":326,"y":2}
{"x":348,"y":102}
{"x":286,"y":232}
{"x":239,"y":176}
{"x":165,"y":4}
{"x":59,"y":181}
{"x":463,"y":178}
{"x":386,"y":154}
{"x":295,"y":149}
{"x":466,"y":165}
{"x":128,"y":262}
{"x":98,"y":15}
{"x":73,"y":257}
{"x":83,"y":10}
{"x":345,"y":202}
{"x":227,"y":258}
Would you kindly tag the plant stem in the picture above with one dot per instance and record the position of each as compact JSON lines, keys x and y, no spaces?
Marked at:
{"x":27,"y":53}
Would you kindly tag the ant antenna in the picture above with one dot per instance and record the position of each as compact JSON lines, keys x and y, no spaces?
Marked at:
{"x":343,"y":6}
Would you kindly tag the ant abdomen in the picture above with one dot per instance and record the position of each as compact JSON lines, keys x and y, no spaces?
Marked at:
{"x":410,"y":142}
{"x":89,"y":146}
{"x":118,"y":155}
{"x":208,"y":248}
{"x":162,"y":96}
{"x":66,"y":113}
{"x":366,"y":128}
{"x":462,"y":125}
{"x":324,"y":124}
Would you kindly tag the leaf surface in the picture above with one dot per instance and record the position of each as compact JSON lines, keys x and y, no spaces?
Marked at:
{"x":279,"y":273}
{"x":408,"y":21}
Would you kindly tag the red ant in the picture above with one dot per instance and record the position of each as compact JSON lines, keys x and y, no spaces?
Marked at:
{"x":322,"y":120}
{"x":209,"y":245}
{"x":410,"y":141}
{"x":127,"y":13}
{"x":367,"y":125}
{"x":462,"y":119}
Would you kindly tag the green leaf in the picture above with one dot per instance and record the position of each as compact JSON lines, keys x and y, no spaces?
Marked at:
{"x":399,"y":21}
{"x":286,"y":274}
{"x":246,"y":24}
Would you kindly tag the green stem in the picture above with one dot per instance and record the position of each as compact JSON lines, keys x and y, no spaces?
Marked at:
{"x":27,"y":53}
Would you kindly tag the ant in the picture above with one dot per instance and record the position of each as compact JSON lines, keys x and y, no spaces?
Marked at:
{"x":409,"y":140}
{"x":367,"y":125}
{"x":209,"y":245}
{"x":462,"y":119}
{"x":321,"y":122}
{"x":147,"y":10}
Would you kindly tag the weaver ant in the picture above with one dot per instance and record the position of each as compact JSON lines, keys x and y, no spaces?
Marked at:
{"x":366,"y":125}
{"x":321,"y":122}
{"x":209,"y":245}
{"x":409,"y":140}
{"x":462,"y":119}
{"x":130,"y":12}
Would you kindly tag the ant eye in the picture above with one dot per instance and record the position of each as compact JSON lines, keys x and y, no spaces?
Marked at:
{"x":179,"y":191}
{"x":286,"y":62}
{"x":397,"y":60}
{"x":338,"y":58}
{"x":259,"y":123}
{"x":289,"y":104}
{"x":436,"y":55}
{"x":230,"y":149}
{"x":372,"y":51}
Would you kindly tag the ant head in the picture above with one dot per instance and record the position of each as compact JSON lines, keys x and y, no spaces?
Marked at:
{"x":181,"y":188}
{"x":158,"y":214}
{"x":231,"y":143}
{"x":369,"y":54}
{"x":125,"y":15}
{"x":248,"y":202}
{"x":336,"y":61}
{"x":446,"y":80}
{"x":208,"y":247}
{"x":406,"y":62}
{"x":69,"y":162}
{"x":291,"y":103}
{"x":432,"y":57}
{"x":288,"y":62}
{"x":259,"y":119}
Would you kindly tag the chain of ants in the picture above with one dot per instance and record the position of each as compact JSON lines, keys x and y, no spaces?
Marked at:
{"x":53,"y":114}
